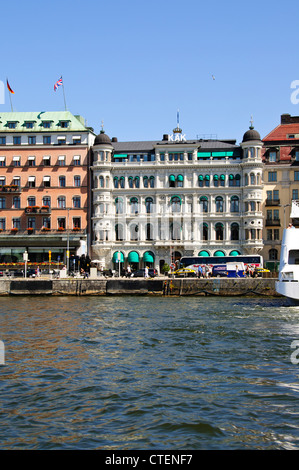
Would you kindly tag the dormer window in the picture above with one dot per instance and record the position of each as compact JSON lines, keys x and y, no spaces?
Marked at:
{"x":64,"y":124}
{"x":46,"y":124}
{"x":29,"y":124}
{"x":272,"y":156}
{"x":12,"y":124}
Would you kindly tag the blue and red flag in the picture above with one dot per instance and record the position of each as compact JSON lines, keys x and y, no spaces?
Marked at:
{"x":58,"y":83}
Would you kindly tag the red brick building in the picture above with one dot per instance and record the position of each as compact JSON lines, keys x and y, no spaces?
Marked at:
{"x":44,"y":196}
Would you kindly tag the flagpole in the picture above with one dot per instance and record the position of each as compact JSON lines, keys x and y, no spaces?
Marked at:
{"x":63,"y":94}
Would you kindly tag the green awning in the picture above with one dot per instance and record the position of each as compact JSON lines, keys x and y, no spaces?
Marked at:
{"x":148,"y":257}
{"x":219,"y":253}
{"x":180,"y":178}
{"x":207,"y":177}
{"x":176,"y":196}
{"x":238,"y":177}
{"x":203,"y":154}
{"x":120,"y":155}
{"x":203,"y":253}
{"x":222,"y":177}
{"x":200,"y":177}
{"x":234,"y":253}
{"x":171,"y":178}
{"x":215,"y":177}
{"x":133,"y":257}
{"x":231,"y":177}
{"x":203,"y":198}
{"x":115,"y":257}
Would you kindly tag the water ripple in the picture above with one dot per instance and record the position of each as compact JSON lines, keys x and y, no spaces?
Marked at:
{"x":142,"y":373}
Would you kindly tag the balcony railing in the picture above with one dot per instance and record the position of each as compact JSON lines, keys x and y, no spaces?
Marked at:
{"x":273,"y":223}
{"x":10,"y":188}
{"x":42,"y":231}
{"x":37,"y":210}
{"x":272,"y":202}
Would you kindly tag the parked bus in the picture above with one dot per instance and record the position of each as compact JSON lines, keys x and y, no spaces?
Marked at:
{"x":220,"y":263}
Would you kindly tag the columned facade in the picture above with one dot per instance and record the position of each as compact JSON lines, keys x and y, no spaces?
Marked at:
{"x":156,"y":201}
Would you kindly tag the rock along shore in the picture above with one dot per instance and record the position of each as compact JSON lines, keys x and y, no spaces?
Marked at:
{"x":158,"y":286}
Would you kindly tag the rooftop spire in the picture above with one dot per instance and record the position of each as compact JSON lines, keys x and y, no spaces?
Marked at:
{"x":177,"y":130}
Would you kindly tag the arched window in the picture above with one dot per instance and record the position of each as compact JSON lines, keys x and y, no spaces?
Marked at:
{"x":171,"y":181}
{"x":119,"y":205}
{"x":137,"y":182}
{"x":219,"y":230}
{"x":61,"y":202}
{"x":234,"y":231}
{"x":246,"y":179}
{"x":175,"y":231}
{"x":204,"y":204}
{"x":219,"y":204}
{"x":234,"y":204}
{"x":207,"y":181}
{"x":222,"y":180}
{"x":149,"y":232}
{"x":122,"y":182}
{"x":273,"y":254}
{"x":134,"y":205}
{"x":130,"y":181}
{"x":149,"y":203}
{"x":134,"y":229}
{"x":200,"y":181}
{"x":180,"y":181}
{"x":119,"y":232}
{"x":145,"y":182}
{"x":216,"y":180}
{"x":115,"y":181}
{"x":101,"y":181}
{"x":205,"y":231}
{"x":252,"y":178}
{"x":152,"y":181}
{"x":176,"y":204}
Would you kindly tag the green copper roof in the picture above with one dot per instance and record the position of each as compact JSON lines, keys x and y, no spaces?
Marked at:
{"x":56,"y":118}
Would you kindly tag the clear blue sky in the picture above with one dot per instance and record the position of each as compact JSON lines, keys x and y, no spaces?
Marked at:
{"x":132,"y":64}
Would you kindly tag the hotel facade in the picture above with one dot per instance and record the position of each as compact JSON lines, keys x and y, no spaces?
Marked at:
{"x":44,"y":186}
{"x":155,"y":201}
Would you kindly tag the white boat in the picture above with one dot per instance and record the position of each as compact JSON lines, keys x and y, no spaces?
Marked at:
{"x":288,"y":278}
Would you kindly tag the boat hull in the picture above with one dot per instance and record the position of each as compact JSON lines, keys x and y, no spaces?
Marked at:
{"x":289,"y":290}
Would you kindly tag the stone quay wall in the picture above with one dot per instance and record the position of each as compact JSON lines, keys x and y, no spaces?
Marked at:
{"x":158,"y":286}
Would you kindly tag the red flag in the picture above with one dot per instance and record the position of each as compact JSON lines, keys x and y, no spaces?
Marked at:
{"x":9,"y":88}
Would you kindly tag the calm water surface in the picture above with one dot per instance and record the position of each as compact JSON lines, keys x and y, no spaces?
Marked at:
{"x":148,"y":373}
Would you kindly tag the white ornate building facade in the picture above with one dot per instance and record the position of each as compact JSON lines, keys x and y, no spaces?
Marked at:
{"x":155,"y":201}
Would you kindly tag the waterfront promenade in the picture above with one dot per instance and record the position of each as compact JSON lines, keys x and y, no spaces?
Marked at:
{"x":160,"y":286}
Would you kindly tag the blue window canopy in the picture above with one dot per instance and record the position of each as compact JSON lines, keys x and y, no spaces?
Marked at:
{"x":115,"y":257}
{"x":148,"y":257}
{"x":219,"y":253}
{"x":133,"y":257}
{"x":203,"y":253}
